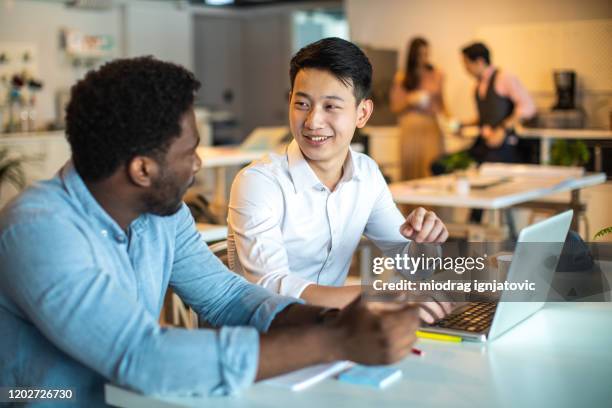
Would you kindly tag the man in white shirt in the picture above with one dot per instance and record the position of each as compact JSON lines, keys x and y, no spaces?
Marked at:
{"x":295,"y":219}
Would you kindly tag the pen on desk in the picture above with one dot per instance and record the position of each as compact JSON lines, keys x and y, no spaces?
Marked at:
{"x":417,"y":352}
{"x":436,"y":336}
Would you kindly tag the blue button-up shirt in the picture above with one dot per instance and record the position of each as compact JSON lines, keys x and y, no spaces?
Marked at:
{"x":80,"y":297}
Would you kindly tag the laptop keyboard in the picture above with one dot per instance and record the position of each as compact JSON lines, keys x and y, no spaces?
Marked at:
{"x":476,"y":318}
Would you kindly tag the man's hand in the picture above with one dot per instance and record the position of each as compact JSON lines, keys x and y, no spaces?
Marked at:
{"x":424,"y":226}
{"x":377,"y":335}
{"x":494,"y":137}
{"x":431,"y":312}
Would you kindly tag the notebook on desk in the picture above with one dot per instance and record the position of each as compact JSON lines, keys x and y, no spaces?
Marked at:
{"x":306,"y":377}
{"x":482,"y":321}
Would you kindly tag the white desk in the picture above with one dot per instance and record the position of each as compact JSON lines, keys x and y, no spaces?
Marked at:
{"x":560,"y":357}
{"x":223,"y":156}
{"x":212,"y":232}
{"x":521,"y":188}
{"x":46,"y":153}
{"x":439,"y":191}
{"x":546,"y":137}
{"x":220,"y":158}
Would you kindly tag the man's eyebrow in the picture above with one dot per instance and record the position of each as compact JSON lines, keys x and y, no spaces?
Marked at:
{"x":333,"y":97}
{"x":302,"y":94}
{"x":305,"y":95}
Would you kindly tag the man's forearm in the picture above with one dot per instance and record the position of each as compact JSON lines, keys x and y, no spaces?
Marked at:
{"x":291,"y":348}
{"x":327,"y":297}
{"x":297,"y":314}
{"x":330,"y":296}
{"x":511,"y":121}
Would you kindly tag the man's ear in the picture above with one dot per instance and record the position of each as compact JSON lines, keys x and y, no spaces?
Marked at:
{"x":364,"y":111}
{"x":142,"y":170}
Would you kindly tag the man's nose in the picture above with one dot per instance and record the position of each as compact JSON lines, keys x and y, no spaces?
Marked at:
{"x":197,"y":164}
{"x":314,"y":119}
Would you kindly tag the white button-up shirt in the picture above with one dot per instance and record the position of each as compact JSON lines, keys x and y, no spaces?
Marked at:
{"x":287,"y":230}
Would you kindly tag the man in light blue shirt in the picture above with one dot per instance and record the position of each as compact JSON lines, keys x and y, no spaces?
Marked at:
{"x":86,"y":258}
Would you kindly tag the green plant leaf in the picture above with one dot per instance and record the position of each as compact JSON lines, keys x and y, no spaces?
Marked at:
{"x":605,"y":231}
{"x":569,"y":153}
{"x":457,"y":161}
{"x":11,"y":170}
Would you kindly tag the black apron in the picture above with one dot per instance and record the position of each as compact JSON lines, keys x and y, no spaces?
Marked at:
{"x":493,"y":109}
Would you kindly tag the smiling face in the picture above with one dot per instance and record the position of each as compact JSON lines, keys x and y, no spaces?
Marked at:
{"x":323,"y":115}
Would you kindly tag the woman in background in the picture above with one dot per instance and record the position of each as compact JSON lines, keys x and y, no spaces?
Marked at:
{"x":416,"y":96}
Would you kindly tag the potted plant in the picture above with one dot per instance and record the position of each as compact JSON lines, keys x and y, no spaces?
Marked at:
{"x":457,"y":162}
{"x":568,"y":153}
{"x":11,"y":170}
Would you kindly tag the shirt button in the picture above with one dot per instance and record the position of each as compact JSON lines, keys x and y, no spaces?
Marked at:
{"x":104,"y":233}
{"x":120,"y":239}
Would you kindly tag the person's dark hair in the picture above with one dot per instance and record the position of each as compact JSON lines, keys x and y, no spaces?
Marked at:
{"x":128,"y":107}
{"x":412,"y":77}
{"x":342,"y":58}
{"x":477,"y":50}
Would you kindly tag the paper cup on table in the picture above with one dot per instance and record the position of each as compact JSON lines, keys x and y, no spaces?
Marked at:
{"x":462,"y":186}
{"x":503,"y":265}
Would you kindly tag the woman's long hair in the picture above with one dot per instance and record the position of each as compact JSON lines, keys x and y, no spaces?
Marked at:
{"x":412,"y":78}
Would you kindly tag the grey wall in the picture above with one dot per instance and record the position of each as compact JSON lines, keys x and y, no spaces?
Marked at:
{"x":247,"y":58}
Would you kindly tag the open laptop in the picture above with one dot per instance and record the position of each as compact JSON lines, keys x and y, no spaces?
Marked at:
{"x":484,"y":321}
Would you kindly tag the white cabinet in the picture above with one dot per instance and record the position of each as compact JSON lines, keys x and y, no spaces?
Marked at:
{"x":384,"y":146}
{"x":45,"y":154}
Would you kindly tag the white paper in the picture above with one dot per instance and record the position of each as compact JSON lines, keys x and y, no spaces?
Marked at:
{"x":308,"y":376}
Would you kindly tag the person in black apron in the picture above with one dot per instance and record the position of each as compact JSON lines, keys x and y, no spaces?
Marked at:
{"x":498,"y":112}
{"x":493,"y":110}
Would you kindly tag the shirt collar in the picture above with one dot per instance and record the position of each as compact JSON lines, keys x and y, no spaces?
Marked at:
{"x":302,"y":174}
{"x":77,"y":189}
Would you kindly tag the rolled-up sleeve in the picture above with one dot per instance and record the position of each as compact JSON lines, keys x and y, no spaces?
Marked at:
{"x":383,"y":226}
{"x":239,"y":356}
{"x":218,"y":295}
{"x":255,"y":212}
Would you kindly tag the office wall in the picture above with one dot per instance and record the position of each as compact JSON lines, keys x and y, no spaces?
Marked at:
{"x":450,"y":24}
{"x":39,"y":23}
{"x":160,"y":29}
{"x":138,"y":28}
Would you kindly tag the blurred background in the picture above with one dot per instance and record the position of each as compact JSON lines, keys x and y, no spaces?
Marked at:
{"x":240,"y":51}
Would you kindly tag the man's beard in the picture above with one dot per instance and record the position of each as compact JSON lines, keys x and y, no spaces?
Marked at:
{"x":165,"y":196}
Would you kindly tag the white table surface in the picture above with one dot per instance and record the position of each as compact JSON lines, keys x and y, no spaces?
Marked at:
{"x":32,"y":136}
{"x":212,"y":232}
{"x":560,"y":357}
{"x":221,"y":156}
{"x":438,"y":191}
